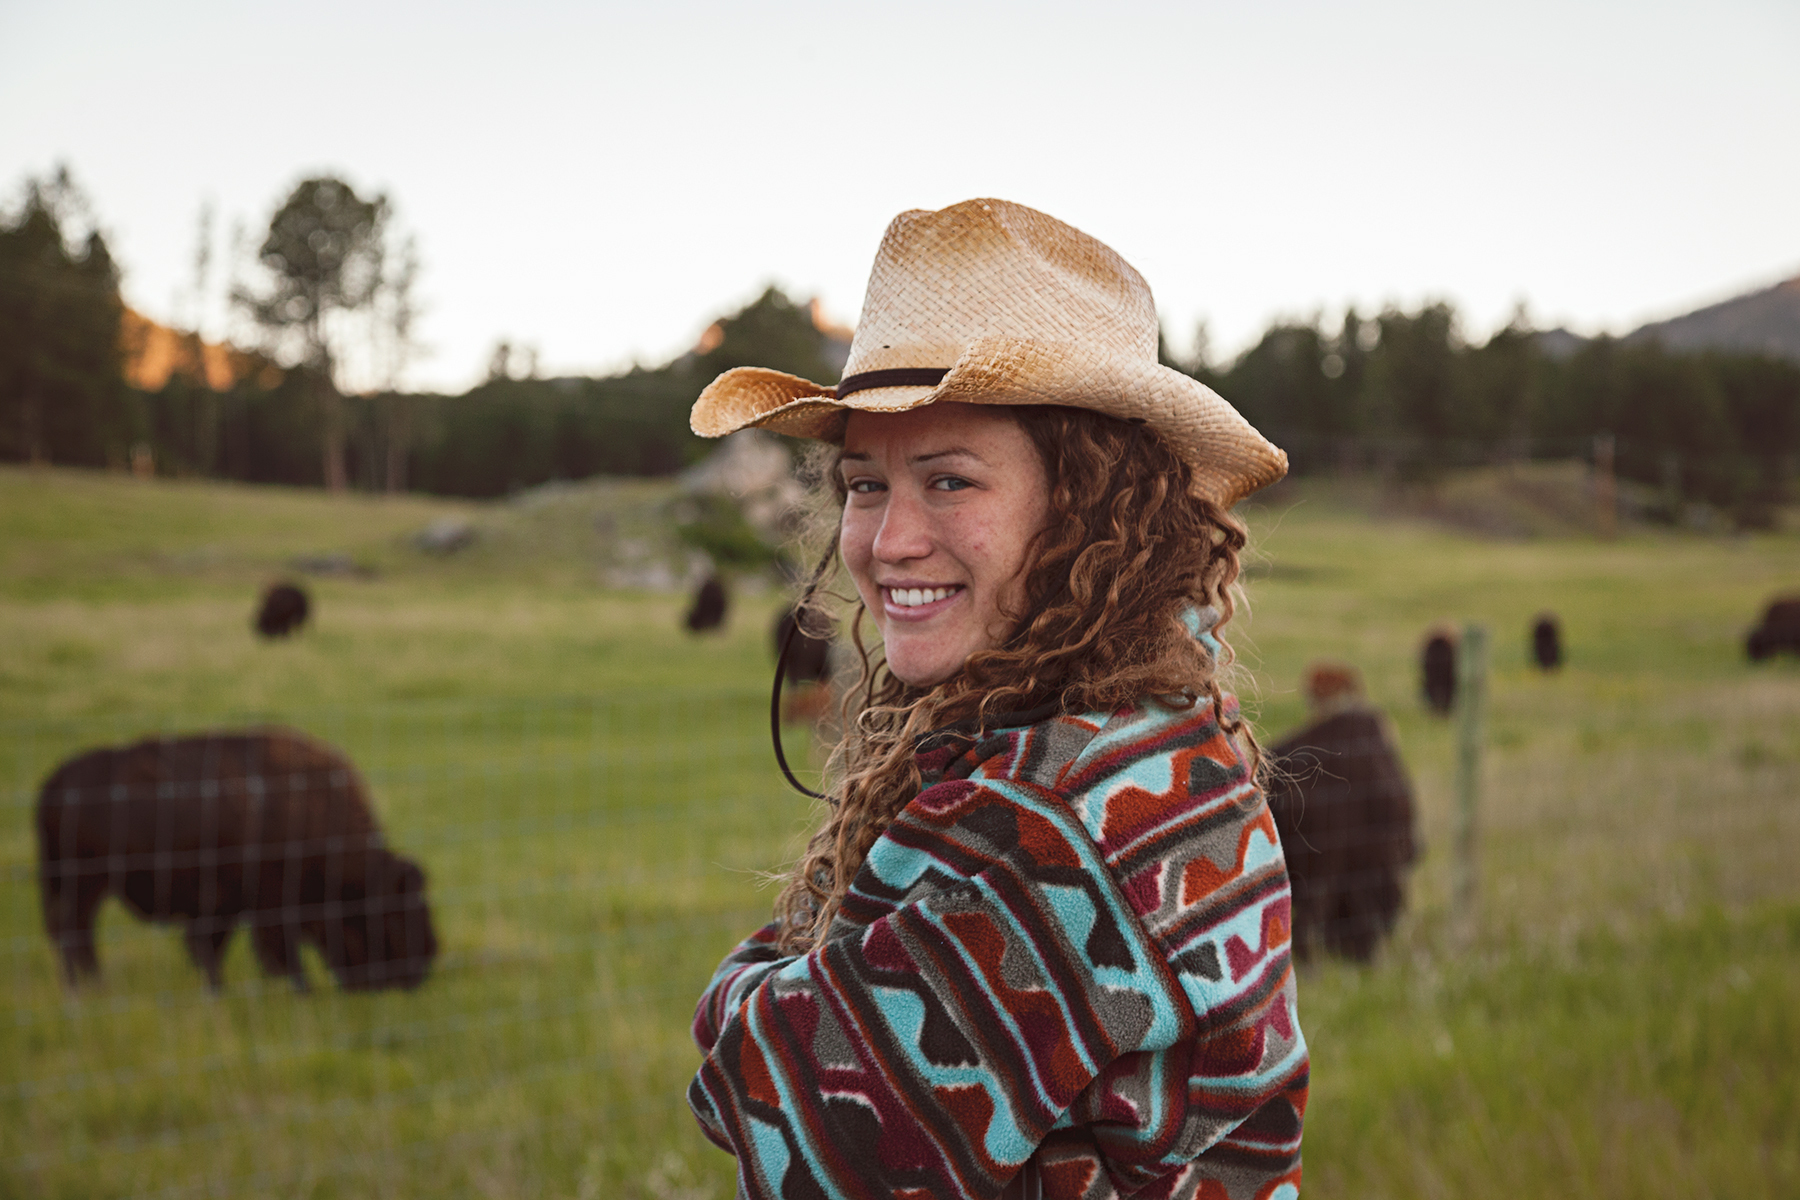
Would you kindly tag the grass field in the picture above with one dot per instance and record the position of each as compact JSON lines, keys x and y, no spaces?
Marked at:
{"x":591,"y":793}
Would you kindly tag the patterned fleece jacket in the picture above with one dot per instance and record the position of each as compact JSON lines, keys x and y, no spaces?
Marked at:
{"x":1071,"y":946}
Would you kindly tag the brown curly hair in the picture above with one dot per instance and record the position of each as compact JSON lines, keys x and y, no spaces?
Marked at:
{"x":1127,"y":551}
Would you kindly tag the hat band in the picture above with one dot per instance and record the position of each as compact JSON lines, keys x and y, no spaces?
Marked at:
{"x":893,"y":377}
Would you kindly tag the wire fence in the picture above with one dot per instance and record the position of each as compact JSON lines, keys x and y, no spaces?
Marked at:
{"x":585,"y":864}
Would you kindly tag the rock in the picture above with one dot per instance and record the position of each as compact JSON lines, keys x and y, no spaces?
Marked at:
{"x":336,"y":563}
{"x":446,"y":535}
{"x":756,"y":470}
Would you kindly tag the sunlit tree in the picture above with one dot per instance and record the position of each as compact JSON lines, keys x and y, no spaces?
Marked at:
{"x":324,"y":257}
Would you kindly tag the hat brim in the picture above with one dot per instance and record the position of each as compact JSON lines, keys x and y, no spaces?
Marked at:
{"x":1229,"y":458}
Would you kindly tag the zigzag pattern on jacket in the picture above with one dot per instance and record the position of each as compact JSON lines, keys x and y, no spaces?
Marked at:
{"x":1073,"y":943}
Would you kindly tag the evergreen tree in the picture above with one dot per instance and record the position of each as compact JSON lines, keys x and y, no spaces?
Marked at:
{"x":62,"y":398}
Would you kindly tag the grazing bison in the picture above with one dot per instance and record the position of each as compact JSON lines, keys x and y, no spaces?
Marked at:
{"x":284,"y":609}
{"x":1344,"y":809}
{"x":807,"y":673}
{"x":1780,"y":630}
{"x":264,"y":825}
{"x":708,"y":611}
{"x":1437,"y":667}
{"x":809,"y":658}
{"x":1546,"y":642}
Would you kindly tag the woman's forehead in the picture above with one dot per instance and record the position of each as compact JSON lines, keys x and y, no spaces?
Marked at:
{"x":933,"y":431}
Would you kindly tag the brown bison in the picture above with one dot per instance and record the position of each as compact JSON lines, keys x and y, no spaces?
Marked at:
{"x":708,"y":610}
{"x":1437,"y":670}
{"x":1780,"y":630}
{"x":806,"y":655}
{"x":1344,"y":809}
{"x":1546,"y":642}
{"x":264,"y":825}
{"x":284,"y":609}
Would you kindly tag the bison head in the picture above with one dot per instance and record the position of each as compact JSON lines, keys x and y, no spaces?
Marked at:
{"x":384,"y":938}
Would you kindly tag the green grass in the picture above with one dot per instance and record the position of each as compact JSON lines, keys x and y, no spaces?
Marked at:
{"x":591,"y":793}
{"x":1656,"y":1065}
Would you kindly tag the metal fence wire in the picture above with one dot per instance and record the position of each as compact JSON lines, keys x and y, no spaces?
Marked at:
{"x":473,"y":935}
{"x":582,"y":866}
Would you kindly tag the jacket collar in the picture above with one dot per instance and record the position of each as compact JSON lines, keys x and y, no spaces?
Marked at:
{"x":937,"y":750}
{"x":967,"y":744}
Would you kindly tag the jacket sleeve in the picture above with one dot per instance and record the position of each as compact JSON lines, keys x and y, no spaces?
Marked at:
{"x":752,"y":961}
{"x":745,"y":967}
{"x":1171,"y":805}
{"x":985,"y":972}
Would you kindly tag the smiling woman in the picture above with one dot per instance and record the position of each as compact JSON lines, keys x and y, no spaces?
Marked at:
{"x":942,"y":503}
{"x":1039,"y":944}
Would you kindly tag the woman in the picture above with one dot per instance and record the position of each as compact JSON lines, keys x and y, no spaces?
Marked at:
{"x":1039,"y":946}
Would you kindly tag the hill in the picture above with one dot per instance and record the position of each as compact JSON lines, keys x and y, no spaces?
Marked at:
{"x":1761,"y":322}
{"x":1765,"y":322}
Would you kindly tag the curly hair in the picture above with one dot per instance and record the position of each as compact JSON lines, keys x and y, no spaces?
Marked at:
{"x":1127,"y":551}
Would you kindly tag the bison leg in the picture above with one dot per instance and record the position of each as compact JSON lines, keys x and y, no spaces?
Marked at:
{"x":71,"y":898}
{"x":206,"y":939}
{"x":1354,"y":933}
{"x":1304,"y":915}
{"x":278,"y":950}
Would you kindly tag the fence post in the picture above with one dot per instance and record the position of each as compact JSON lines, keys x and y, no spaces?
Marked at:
{"x":1471,"y":703}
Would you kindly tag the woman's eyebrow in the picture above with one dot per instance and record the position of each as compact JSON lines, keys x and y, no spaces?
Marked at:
{"x":952,"y":452}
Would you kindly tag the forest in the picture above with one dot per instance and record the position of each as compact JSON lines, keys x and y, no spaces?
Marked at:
{"x":1403,"y":394}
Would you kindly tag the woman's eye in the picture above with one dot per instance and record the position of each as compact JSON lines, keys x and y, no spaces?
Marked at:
{"x":950,"y":483}
{"x":863,"y":487}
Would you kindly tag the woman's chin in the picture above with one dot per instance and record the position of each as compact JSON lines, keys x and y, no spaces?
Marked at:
{"x":923,"y":666}
{"x":920,"y":677}
{"x":925,"y":654}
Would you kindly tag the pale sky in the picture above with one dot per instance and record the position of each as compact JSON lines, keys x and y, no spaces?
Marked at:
{"x":599,"y":180}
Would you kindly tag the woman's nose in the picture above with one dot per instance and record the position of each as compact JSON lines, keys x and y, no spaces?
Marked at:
{"x":905,"y":531}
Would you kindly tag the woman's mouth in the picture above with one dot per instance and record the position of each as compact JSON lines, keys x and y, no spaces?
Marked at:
{"x":918,"y":601}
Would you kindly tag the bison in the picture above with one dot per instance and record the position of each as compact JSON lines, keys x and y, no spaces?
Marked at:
{"x":807,"y":669}
{"x":1780,"y":630}
{"x":207,"y":830}
{"x":710,"y":602}
{"x":1343,"y":807}
{"x":1437,"y":669}
{"x":284,"y":608}
{"x":1546,"y":642}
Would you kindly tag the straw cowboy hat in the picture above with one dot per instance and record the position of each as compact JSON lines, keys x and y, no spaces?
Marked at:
{"x":990,"y":302}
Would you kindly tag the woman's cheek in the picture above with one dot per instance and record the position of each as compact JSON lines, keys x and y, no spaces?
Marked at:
{"x":854,"y":544}
{"x":976,"y":540}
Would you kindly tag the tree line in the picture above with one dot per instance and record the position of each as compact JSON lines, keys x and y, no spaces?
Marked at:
{"x":1401,"y":393}
{"x":1404,"y":394}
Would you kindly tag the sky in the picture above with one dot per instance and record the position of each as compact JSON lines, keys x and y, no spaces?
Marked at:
{"x":599,"y":181}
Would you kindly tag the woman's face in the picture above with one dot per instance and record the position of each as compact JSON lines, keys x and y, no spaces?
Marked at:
{"x":943,"y":501}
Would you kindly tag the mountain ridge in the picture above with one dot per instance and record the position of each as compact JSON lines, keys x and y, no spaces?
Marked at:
{"x":1765,"y":321}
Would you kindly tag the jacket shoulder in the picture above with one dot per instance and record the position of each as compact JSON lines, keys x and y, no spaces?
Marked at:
{"x":1038,"y":754}
{"x":1147,"y":754}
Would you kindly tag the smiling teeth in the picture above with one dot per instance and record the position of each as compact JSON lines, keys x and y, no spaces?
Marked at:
{"x":913,"y":597}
